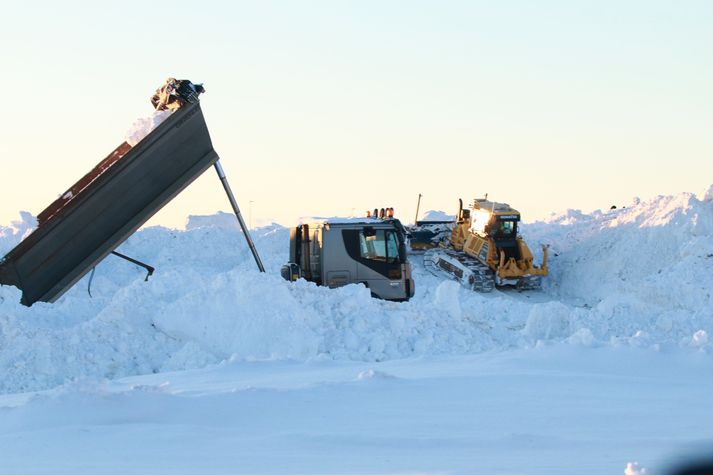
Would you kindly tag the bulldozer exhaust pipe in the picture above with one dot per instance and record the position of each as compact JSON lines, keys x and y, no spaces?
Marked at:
{"x":236,"y":210}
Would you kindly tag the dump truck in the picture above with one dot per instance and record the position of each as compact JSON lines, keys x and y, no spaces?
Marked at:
{"x":485,"y":250}
{"x":339,"y":251}
{"x":101,"y":210}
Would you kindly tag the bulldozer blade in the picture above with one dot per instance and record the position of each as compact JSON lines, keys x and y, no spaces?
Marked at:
{"x":107,"y":205}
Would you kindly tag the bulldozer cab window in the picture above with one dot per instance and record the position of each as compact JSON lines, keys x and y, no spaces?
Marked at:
{"x":505,"y":228}
{"x":381,"y":245}
{"x":480,"y":221}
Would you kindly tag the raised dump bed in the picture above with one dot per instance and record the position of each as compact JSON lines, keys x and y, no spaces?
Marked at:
{"x":107,"y":205}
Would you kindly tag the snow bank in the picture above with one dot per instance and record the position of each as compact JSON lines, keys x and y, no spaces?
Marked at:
{"x":707,"y":195}
{"x":219,"y":220}
{"x":645,"y":267}
{"x":633,"y":468}
{"x":640,"y":276}
{"x":435,"y":215}
{"x":11,"y":235}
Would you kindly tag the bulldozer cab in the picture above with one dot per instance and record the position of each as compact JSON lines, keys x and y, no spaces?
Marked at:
{"x":503,"y":230}
{"x":493,"y":219}
{"x":497,"y":221}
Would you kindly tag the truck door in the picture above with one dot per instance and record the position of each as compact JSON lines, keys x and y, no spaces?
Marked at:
{"x":379,"y":262}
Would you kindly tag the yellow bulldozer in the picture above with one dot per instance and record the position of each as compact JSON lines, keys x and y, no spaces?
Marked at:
{"x":485,"y":250}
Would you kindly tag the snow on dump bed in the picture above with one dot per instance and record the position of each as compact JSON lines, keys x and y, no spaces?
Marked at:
{"x":639,"y":276}
{"x":145,"y":125}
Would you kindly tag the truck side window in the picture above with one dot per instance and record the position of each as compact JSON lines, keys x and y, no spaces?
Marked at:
{"x":381,"y":246}
{"x":392,"y":247}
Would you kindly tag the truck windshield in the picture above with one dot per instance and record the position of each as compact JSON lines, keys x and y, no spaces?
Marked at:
{"x":380,"y":246}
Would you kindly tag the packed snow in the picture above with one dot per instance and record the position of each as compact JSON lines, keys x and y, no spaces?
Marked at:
{"x":609,"y":357}
{"x":436,"y":215}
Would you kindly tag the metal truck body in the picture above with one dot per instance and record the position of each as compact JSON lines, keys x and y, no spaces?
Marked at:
{"x":101,"y":210}
{"x":106,"y":206}
{"x":336,"y":252}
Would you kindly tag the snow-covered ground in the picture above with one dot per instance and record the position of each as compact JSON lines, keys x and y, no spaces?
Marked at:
{"x":556,"y":410}
{"x":212,"y":367}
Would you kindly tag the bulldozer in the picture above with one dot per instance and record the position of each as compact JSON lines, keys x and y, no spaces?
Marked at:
{"x":485,"y":250}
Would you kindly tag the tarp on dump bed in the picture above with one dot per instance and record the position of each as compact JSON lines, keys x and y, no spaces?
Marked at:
{"x":107,"y":205}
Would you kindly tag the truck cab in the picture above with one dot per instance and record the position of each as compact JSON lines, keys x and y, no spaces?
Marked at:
{"x":340,"y":251}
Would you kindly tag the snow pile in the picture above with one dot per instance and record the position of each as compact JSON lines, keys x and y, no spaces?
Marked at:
{"x":219,"y":220}
{"x":640,"y":276}
{"x":707,"y":195}
{"x":11,"y":236}
{"x":646,"y":267}
{"x":633,"y":468}
{"x":548,"y":321}
{"x":437,"y":216}
{"x":143,"y":126}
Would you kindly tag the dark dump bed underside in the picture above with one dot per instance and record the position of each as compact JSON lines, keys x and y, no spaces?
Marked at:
{"x":107,"y":205}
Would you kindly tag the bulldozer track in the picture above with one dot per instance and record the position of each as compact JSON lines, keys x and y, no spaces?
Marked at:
{"x":467,"y":270}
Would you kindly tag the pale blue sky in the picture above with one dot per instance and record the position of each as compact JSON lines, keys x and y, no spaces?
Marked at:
{"x":318,"y":108}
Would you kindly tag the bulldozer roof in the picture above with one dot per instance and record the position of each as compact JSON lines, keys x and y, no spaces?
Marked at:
{"x":494,"y":207}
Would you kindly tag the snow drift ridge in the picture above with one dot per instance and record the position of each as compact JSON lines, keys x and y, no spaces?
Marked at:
{"x":635,"y":276}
